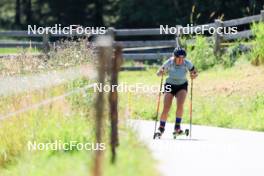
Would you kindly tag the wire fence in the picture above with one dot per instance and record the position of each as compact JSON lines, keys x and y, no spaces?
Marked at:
{"x":46,"y":102}
{"x":108,"y":67}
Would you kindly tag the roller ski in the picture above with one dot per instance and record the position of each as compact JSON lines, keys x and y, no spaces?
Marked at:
{"x":180,"y":132}
{"x":157,"y":135}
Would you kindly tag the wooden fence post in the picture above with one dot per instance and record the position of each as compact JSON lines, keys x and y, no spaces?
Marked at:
{"x":218,"y":38}
{"x":115,"y":64}
{"x":45,"y":41}
{"x":113,"y":100}
{"x":177,"y":38}
{"x":262,"y":15}
{"x":111,"y":32}
{"x":104,"y":46}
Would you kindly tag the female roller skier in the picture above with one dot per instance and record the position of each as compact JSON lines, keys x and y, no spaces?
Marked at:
{"x":176,"y":85}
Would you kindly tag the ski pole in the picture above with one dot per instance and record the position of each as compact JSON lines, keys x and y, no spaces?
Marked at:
{"x":158,"y":105}
{"x":191,"y":108}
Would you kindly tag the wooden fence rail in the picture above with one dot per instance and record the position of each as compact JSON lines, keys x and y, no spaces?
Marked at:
{"x":133,"y":44}
{"x":146,"y":56}
{"x":241,"y":21}
{"x":23,"y":44}
{"x":240,"y":35}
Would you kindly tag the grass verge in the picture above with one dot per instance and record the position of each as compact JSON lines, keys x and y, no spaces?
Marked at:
{"x":18,"y":50}
{"x":225,"y":97}
{"x":66,"y":120}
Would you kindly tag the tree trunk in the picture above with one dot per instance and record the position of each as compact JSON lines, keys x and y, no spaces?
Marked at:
{"x":18,"y":17}
{"x":99,"y":12}
{"x":28,"y":12}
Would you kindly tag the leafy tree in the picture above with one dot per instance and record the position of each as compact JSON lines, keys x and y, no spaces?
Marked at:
{"x":122,"y":13}
{"x":18,"y":13}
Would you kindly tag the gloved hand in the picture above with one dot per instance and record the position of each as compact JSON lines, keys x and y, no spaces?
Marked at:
{"x":161,"y":72}
{"x":193,"y":74}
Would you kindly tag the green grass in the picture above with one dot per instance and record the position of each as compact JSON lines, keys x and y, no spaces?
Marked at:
{"x":63,"y":121}
{"x":18,"y":50}
{"x":147,"y":77}
{"x":257,"y":54}
{"x":231,"y":97}
{"x":132,"y":157}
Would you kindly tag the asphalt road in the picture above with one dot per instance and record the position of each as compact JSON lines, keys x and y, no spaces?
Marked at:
{"x":211,"y":151}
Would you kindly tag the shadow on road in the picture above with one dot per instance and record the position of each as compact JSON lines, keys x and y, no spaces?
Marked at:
{"x":181,"y":139}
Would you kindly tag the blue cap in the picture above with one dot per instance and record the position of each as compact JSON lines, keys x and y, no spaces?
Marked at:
{"x":179,"y":52}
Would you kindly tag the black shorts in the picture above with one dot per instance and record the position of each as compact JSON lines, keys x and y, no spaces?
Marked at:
{"x":174,"y":89}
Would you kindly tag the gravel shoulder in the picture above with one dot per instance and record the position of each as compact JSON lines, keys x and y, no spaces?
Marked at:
{"x":19,"y":84}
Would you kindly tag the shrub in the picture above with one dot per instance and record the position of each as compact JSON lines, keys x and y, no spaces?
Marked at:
{"x":70,"y":53}
{"x":202,"y":54}
{"x":65,"y":54}
{"x":257,"y":54}
{"x":233,"y":53}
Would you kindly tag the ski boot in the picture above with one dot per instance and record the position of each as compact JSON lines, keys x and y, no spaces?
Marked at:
{"x":179,"y":132}
{"x":159,"y":133}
